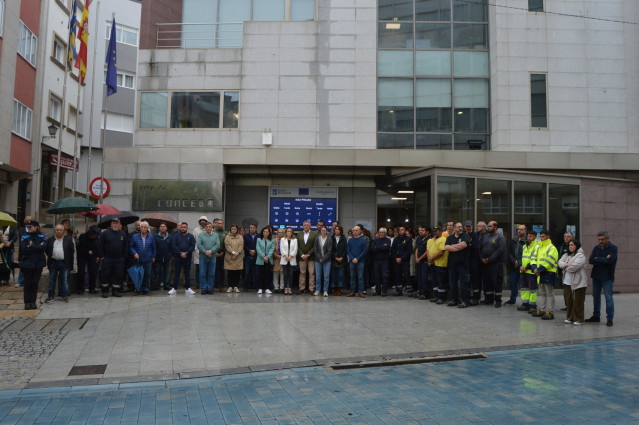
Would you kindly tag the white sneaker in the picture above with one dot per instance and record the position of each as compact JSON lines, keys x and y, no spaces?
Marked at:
{"x":568,"y":321}
{"x":268,"y":291}
{"x":228,"y":291}
{"x":577,"y":323}
{"x":259,"y":292}
{"x":172,"y":291}
{"x":236,"y":290}
{"x":316,"y":293}
{"x":189,"y":292}
{"x":325,"y":294}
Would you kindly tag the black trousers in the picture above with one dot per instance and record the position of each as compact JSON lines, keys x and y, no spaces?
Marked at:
{"x":264,"y":277}
{"x":475,"y":271}
{"x":402,"y":273}
{"x":493,"y":275}
{"x":92,"y":267}
{"x":31,"y":280}
{"x":442,"y":282}
{"x":381,"y":275}
{"x":112,"y":273}
{"x":234,"y":278}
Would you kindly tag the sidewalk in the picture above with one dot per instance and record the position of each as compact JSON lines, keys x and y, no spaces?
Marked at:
{"x":135,"y":339}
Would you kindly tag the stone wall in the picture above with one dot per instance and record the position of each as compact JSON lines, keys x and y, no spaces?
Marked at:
{"x":613,"y":206}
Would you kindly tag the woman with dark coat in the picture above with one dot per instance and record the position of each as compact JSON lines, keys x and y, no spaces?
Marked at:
{"x":339,"y":260}
{"x":32,"y":261}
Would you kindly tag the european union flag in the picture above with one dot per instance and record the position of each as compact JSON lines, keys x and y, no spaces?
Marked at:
{"x":112,"y":64}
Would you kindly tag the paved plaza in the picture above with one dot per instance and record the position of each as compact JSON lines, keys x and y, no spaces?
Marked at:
{"x":241,"y":358}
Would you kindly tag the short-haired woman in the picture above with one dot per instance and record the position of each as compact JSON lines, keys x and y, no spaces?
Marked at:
{"x":264,"y":248}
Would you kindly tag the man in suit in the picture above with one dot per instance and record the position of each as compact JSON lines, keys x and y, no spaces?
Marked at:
{"x":306,"y":257}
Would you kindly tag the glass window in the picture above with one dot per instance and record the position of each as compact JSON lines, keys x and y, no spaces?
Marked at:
{"x":563,"y":203}
{"x":195,"y":110}
{"x":432,"y":36}
{"x":530,"y":205}
{"x":536,"y":5}
{"x":538,"y":111}
{"x":471,"y":64}
{"x":395,"y":35}
{"x":432,"y":63}
{"x":1,"y":16}
{"x":395,"y":104}
{"x":123,"y":34}
{"x":394,"y":208}
{"x":128,"y":81}
{"x":153,"y":109}
{"x":302,"y":10}
{"x":231,"y":109}
{"x":54,"y":108}
{"x":432,"y":10}
{"x":194,"y":12}
{"x":465,"y":142}
{"x":268,"y":10}
{"x":434,"y":141}
{"x":455,"y":199}
{"x":433,"y":102}
{"x":395,"y":62}
{"x":235,"y":10}
{"x":422,"y":202}
{"x":471,"y":100}
{"x":21,"y":123}
{"x":129,"y":37}
{"x":493,"y":203}
{"x":395,"y":10}
{"x":470,"y":11}
{"x":395,"y":141}
{"x":27,"y":44}
{"x":59,"y":50}
{"x":470,"y":36}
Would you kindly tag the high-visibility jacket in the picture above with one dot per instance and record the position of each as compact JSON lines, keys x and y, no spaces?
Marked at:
{"x":529,"y":256}
{"x":547,"y":257}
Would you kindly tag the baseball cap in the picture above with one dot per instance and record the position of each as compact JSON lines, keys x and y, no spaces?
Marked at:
{"x":115,"y":219}
{"x":33,"y":223}
{"x":468,"y":223}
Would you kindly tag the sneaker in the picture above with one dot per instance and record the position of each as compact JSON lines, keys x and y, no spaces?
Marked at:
{"x":474,"y":302}
{"x":462,"y":305}
{"x":268,"y":292}
{"x":325,"y":293}
{"x":48,"y":300}
{"x":440,"y":301}
{"x":548,"y":316}
{"x":569,"y":322}
{"x":316,"y":293}
{"x":189,"y":291}
{"x":453,"y":304}
{"x":608,"y":322}
{"x":236,"y":290}
{"x":577,"y":323}
{"x":510,"y":302}
{"x":204,"y":292}
{"x":259,"y":292}
{"x":172,"y":291}
{"x":593,"y":319}
{"x":228,"y":291}
{"x":65,"y":299}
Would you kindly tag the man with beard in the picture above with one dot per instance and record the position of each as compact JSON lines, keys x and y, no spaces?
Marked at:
{"x":112,"y":250}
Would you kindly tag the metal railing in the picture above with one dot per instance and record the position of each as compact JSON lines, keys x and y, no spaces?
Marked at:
{"x":215,"y":35}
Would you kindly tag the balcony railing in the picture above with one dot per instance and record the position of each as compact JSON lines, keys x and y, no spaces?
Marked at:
{"x":182,"y":35}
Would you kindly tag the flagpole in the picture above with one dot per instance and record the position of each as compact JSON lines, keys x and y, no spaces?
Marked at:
{"x":95,"y":54}
{"x":106,"y":102}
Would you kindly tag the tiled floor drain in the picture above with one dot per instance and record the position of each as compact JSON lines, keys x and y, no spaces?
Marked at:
{"x":400,"y":362}
{"x":95,"y":369}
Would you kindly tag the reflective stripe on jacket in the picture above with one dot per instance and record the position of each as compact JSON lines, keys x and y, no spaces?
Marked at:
{"x":547,"y":257}
{"x":529,"y":256}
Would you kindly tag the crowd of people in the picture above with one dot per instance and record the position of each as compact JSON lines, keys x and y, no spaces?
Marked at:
{"x":449,"y":265}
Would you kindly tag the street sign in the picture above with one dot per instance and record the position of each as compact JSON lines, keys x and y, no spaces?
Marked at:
{"x":65,"y":163}
{"x":99,"y":186}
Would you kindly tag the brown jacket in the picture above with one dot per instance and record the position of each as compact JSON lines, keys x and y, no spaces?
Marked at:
{"x":233,"y":243}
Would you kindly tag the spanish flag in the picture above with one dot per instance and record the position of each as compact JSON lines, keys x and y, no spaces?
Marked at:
{"x":73,"y":26}
{"x":83,"y":36}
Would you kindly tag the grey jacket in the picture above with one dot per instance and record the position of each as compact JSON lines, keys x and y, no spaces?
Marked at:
{"x":492,"y":247}
{"x":575,"y":274}
{"x":323,"y":255}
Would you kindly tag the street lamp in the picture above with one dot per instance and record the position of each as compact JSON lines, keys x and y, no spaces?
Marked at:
{"x":52,"y":132}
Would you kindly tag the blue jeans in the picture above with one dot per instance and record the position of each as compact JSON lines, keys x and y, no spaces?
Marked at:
{"x":597,"y":286}
{"x":182,"y":263}
{"x":458,"y":274}
{"x":20,"y":278}
{"x":322,"y":274}
{"x":514,"y":284}
{"x":162,"y":273}
{"x":339,"y":277}
{"x":146,"y":280}
{"x":57,"y":270}
{"x":357,"y":276}
{"x":250,"y":273}
{"x":207,"y":272}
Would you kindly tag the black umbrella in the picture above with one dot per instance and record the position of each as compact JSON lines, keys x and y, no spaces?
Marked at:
{"x":71,"y":206}
{"x":127,"y":217}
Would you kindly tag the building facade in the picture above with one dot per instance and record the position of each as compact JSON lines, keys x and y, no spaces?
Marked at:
{"x":416,"y":111}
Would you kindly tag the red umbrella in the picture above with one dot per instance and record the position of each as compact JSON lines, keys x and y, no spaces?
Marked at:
{"x":103,"y":209}
{"x":155,"y":219}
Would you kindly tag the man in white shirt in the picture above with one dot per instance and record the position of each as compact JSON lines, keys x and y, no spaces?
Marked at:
{"x":60,"y":252}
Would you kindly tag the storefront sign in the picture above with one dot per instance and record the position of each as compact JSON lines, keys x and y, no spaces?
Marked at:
{"x":66,"y":162}
{"x":99,"y":187}
{"x":170,"y":195}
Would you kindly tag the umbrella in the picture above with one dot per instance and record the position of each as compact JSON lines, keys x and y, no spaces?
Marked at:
{"x":71,"y":206}
{"x":156,"y":219}
{"x":126,"y":217}
{"x":7,"y":220}
{"x":103,"y":209}
{"x":136,"y":272}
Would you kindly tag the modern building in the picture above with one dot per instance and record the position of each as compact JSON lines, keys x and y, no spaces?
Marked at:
{"x":20,"y":27}
{"x":381,"y":111}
